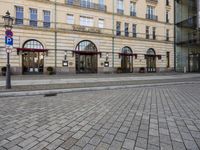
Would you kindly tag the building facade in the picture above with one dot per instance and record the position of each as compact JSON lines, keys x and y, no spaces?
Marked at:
{"x":187,"y":31}
{"x":90,"y":36}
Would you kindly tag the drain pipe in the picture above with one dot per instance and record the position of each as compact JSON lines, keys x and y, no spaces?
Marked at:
{"x":113,"y":37}
{"x":55,"y":35}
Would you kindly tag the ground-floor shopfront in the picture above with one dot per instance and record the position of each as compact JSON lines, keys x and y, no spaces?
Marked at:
{"x":188,"y":58}
{"x":88,"y":54}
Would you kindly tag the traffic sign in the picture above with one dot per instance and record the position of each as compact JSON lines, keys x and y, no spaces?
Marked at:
{"x":9,"y":40}
{"x":9,"y":33}
{"x":9,"y":49}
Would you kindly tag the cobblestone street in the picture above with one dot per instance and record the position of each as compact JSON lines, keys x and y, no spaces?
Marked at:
{"x":161,"y":117}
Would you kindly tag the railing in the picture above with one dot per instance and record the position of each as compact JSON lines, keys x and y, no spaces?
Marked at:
{"x":19,"y":21}
{"x":132,"y":13}
{"x":120,"y":11}
{"x":33,"y":23}
{"x":191,"y":38}
{"x":151,"y":17}
{"x":191,"y":22}
{"x":46,"y":24}
{"x":64,"y":27}
{"x":86,"y":4}
{"x":152,"y":1}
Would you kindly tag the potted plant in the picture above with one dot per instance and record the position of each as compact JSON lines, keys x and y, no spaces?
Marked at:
{"x":142,"y":70}
{"x":50,"y":70}
{"x":119,"y":70}
{"x":3,"y":71}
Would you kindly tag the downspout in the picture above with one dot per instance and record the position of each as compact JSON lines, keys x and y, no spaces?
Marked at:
{"x":113,"y":37}
{"x":55,"y":35}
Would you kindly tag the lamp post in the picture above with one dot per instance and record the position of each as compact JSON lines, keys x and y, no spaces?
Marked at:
{"x":8,"y":23}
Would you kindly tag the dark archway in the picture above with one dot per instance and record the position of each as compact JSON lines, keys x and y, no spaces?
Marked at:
{"x":151,"y":60}
{"x":86,"y":57}
{"x":33,"y":57}
{"x":127,"y":60}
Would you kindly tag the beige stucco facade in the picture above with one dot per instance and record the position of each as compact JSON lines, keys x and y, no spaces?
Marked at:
{"x":61,"y":38}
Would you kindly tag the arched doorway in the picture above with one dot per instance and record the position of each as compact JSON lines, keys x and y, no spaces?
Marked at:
{"x":151,"y":60}
{"x":32,"y":57}
{"x":86,"y":57}
{"x":127,"y":60}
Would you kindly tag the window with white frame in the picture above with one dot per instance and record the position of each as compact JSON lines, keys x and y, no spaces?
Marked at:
{"x":86,"y":21}
{"x":70,"y":18}
{"x":46,"y":18}
{"x":33,"y":17}
{"x":101,"y":23}
{"x":19,"y":15}
{"x":133,"y":7}
{"x":120,"y":4}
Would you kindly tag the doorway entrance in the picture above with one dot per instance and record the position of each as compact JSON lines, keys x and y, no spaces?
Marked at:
{"x":151,"y":60}
{"x":194,"y":62}
{"x":86,"y":57}
{"x":32,"y":57}
{"x":127,"y":60}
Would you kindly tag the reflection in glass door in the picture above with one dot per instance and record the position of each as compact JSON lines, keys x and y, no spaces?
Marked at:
{"x":151,"y":63}
{"x":32,"y":62}
{"x":126,"y":64}
{"x":86,"y":63}
{"x":194,"y":62}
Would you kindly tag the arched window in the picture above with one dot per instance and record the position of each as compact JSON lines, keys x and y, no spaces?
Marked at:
{"x":127,"y":50}
{"x":151,"y":51}
{"x":86,"y":46}
{"x":34,"y":44}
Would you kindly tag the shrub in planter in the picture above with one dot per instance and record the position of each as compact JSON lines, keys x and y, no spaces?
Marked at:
{"x":119,"y":70}
{"x":50,"y":70}
{"x":3,"y":71}
{"x":142,"y":70}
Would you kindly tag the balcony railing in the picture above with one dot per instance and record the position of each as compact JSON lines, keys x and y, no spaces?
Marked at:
{"x":86,"y":4}
{"x":191,"y":39}
{"x":46,"y":24}
{"x":191,"y":22}
{"x":152,"y":17}
{"x":120,"y":11}
{"x":19,"y":21}
{"x":33,"y":23}
{"x":132,"y":13}
{"x":152,"y":1}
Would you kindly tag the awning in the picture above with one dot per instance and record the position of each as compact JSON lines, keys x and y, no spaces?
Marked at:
{"x":87,"y":52}
{"x":128,"y":54}
{"x":31,"y":50}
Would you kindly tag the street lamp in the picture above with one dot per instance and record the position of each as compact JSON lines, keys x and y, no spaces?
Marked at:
{"x":8,"y":23}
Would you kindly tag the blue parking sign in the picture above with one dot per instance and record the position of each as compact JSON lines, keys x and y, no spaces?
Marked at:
{"x":9,"y":41}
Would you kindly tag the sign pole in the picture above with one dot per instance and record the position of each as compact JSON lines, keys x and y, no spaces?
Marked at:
{"x":8,"y":78}
{"x":9,"y":45}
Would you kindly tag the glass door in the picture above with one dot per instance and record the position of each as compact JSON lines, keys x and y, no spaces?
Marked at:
{"x":127,"y":64}
{"x":151,"y":64}
{"x":194,"y":62}
{"x":33,"y":62}
{"x":86,"y":63}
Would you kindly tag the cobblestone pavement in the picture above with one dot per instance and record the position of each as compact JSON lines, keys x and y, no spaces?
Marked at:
{"x":165,"y":118}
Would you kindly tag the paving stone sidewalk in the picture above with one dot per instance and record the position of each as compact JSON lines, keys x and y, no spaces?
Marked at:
{"x":26,"y":83}
{"x":164,"y":117}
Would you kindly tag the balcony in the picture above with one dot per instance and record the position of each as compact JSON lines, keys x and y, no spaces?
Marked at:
{"x":86,"y":4}
{"x":191,"y":39}
{"x":33,"y":23}
{"x":191,"y":22}
{"x":46,"y":24}
{"x":152,"y":17}
{"x":120,"y":11}
{"x":19,"y":21}
{"x":132,"y":13}
{"x":152,"y":1}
